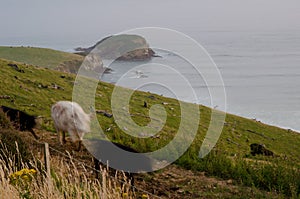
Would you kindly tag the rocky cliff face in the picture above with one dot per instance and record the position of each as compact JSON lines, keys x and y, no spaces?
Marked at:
{"x":69,"y":66}
{"x":90,"y":63}
{"x":121,"y":47}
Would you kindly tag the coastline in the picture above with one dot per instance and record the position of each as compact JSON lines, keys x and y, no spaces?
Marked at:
{"x":260,"y":77}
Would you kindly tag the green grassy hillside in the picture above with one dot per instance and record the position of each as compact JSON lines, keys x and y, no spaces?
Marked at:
{"x":35,"y":90}
{"x":38,"y":56}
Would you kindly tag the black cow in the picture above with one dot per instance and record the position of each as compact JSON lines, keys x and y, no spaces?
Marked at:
{"x":257,"y":149}
{"x":20,"y":120}
{"x":103,"y":149}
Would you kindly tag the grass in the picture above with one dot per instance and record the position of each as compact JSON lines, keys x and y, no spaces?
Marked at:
{"x":276,"y":175}
{"x":22,"y":176}
{"x":66,"y":181}
{"x":38,"y":56}
{"x":34,"y":93}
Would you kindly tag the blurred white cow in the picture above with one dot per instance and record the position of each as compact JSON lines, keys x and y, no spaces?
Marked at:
{"x":70,"y":117}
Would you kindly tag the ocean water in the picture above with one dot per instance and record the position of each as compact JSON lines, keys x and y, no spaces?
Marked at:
{"x":260,"y":70}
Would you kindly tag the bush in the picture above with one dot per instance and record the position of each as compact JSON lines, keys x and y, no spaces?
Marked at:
{"x":4,"y":121}
{"x":12,"y":143}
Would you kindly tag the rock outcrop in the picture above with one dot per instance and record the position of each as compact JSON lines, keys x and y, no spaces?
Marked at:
{"x":121,"y":47}
{"x":90,"y":63}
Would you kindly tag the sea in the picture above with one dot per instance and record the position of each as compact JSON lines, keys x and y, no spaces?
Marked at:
{"x":260,"y":71}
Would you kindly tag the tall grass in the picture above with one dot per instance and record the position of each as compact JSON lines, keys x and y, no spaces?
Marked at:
{"x":272,"y":175}
{"x":66,"y":181}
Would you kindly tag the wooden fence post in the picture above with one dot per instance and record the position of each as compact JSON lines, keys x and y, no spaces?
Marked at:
{"x":47,"y":159}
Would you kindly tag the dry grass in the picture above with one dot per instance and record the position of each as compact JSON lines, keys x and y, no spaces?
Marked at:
{"x":7,"y":190}
{"x":66,"y":181}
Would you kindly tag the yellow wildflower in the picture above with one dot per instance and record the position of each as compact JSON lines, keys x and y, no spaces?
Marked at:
{"x":24,"y":175}
{"x":145,"y":196}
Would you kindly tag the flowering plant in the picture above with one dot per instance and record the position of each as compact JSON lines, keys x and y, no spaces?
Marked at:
{"x":22,"y":179}
{"x":23,"y":176}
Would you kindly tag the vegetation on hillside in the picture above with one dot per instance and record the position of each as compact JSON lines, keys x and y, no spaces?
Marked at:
{"x":121,"y":47}
{"x":13,"y":149}
{"x":35,"y":90}
{"x":66,"y":181}
{"x":43,"y":57}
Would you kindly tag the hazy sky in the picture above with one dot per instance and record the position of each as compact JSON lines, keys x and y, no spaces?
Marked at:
{"x":96,"y":18}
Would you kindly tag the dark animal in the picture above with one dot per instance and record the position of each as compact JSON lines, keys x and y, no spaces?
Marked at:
{"x":15,"y":66}
{"x":21,"y":120}
{"x":260,"y":149}
{"x":145,"y":104}
{"x":112,"y":157}
{"x":104,"y":113}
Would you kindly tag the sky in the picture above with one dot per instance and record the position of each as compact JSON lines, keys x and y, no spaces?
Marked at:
{"x":97,"y":18}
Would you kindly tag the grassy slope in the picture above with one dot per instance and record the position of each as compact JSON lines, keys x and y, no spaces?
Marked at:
{"x":29,"y":92}
{"x":37,"y":56}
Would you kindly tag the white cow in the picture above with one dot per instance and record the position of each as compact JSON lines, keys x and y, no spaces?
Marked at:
{"x":70,"y":117}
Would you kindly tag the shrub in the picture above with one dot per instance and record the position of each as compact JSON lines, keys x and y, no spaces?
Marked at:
{"x":12,"y":143}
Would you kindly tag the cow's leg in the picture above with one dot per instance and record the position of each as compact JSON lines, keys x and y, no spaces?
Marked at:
{"x":79,"y":137}
{"x":64,"y":137}
{"x":34,"y":135}
{"x":79,"y":145}
{"x":59,"y":137}
{"x":97,"y":167}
